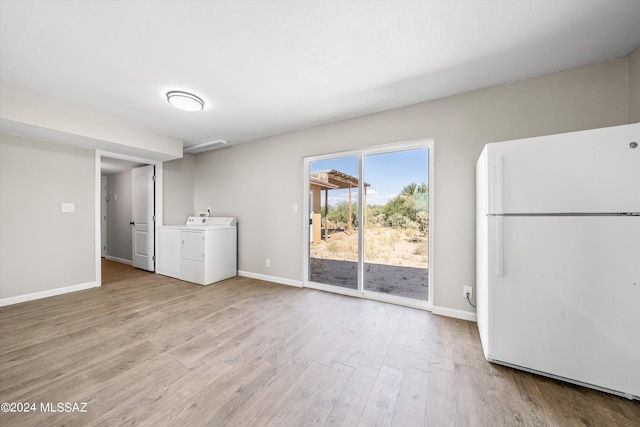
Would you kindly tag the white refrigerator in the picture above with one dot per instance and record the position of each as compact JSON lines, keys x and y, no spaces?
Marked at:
{"x":558,"y":256}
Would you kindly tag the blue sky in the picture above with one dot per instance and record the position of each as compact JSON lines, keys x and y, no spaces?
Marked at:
{"x":387,"y":173}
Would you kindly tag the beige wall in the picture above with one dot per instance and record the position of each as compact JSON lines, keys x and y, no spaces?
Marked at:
{"x":42,"y":248}
{"x":119,"y":214}
{"x":260,"y":181}
{"x":34,"y":117}
{"x":634,"y":86}
{"x":178,"y":181}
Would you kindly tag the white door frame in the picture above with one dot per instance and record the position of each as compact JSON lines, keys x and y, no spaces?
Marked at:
{"x":158,"y":201}
{"x":361,"y":292}
{"x":103,"y":216}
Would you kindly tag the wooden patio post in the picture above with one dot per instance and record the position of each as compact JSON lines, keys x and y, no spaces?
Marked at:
{"x":349,"y":219}
{"x":326,"y":213}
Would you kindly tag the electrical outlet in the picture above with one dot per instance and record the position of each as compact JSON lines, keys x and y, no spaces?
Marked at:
{"x":267,"y":262}
{"x":68,"y":207}
{"x":467,"y":290}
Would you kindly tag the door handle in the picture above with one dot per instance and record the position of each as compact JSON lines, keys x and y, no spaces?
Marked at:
{"x":132,"y":223}
{"x":499,"y":246}
{"x":497,"y":187}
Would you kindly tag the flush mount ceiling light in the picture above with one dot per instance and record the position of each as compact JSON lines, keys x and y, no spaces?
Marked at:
{"x":185,"y":101}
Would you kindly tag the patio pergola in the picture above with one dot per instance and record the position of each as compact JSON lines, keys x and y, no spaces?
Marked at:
{"x":330,"y":180}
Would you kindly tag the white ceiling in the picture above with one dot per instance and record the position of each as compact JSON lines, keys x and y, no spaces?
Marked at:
{"x":268,"y":67}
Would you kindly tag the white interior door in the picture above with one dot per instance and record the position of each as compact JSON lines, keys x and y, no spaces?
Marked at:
{"x":143,"y":224}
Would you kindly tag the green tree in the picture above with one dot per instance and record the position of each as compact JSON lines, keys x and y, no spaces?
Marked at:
{"x":409,"y":190}
{"x":402,"y":211}
{"x":411,"y":200}
{"x":340,"y":213}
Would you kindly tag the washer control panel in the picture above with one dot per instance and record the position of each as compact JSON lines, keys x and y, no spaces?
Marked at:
{"x":229,"y":221}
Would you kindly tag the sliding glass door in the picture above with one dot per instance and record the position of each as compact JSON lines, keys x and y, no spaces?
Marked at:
{"x":396,"y":239}
{"x":333,"y":214}
{"x":369,"y":220}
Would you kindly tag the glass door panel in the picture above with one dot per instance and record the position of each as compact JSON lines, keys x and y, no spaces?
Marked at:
{"x":333,"y":219}
{"x":396,"y":232}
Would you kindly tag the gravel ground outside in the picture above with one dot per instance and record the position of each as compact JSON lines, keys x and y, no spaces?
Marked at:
{"x":396,"y":262}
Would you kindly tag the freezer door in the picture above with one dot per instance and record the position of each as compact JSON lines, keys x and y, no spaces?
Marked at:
{"x":593,"y":171}
{"x":482,"y":178}
{"x":564,"y":298}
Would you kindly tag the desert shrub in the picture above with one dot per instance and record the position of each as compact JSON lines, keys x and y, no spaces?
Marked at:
{"x":339,"y":213}
{"x":422,"y":219}
{"x":378,"y":219}
{"x":397,"y":221}
{"x":411,"y":224}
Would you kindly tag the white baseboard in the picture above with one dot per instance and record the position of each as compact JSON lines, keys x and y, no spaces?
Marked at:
{"x":48,"y":293}
{"x":282,"y":281}
{"x":458,"y":314}
{"x":120,"y":260}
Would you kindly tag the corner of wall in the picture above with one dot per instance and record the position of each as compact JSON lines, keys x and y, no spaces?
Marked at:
{"x":178,"y":189}
{"x":36,"y":179}
{"x":634,"y":86}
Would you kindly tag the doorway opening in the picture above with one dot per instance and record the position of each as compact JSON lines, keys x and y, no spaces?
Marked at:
{"x":128,"y":207}
{"x":370,"y":212}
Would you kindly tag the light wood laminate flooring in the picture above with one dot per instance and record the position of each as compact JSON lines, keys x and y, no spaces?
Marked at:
{"x":145,"y":349}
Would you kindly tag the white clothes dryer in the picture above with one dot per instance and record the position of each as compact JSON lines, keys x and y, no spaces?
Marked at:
{"x":202,"y":251}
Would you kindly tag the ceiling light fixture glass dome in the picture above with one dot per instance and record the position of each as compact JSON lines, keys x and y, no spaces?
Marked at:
{"x":185,"y":101}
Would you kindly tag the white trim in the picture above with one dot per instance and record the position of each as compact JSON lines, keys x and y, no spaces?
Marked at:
{"x":397,"y":300}
{"x":457,"y":314}
{"x":274,"y":279}
{"x":374,"y":296}
{"x":104,"y":229}
{"x":97,"y":223}
{"x":429,"y":144}
{"x":97,"y":234}
{"x":306,"y":217}
{"x":333,"y":289}
{"x":158,"y":192}
{"x":120,"y":260}
{"x":48,"y":293}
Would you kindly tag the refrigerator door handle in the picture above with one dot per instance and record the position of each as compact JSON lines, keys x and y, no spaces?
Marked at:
{"x":499,"y":245}
{"x":496,"y":188}
{"x":499,"y":185}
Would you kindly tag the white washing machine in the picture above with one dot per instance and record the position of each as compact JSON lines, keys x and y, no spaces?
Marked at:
{"x":202,"y":251}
